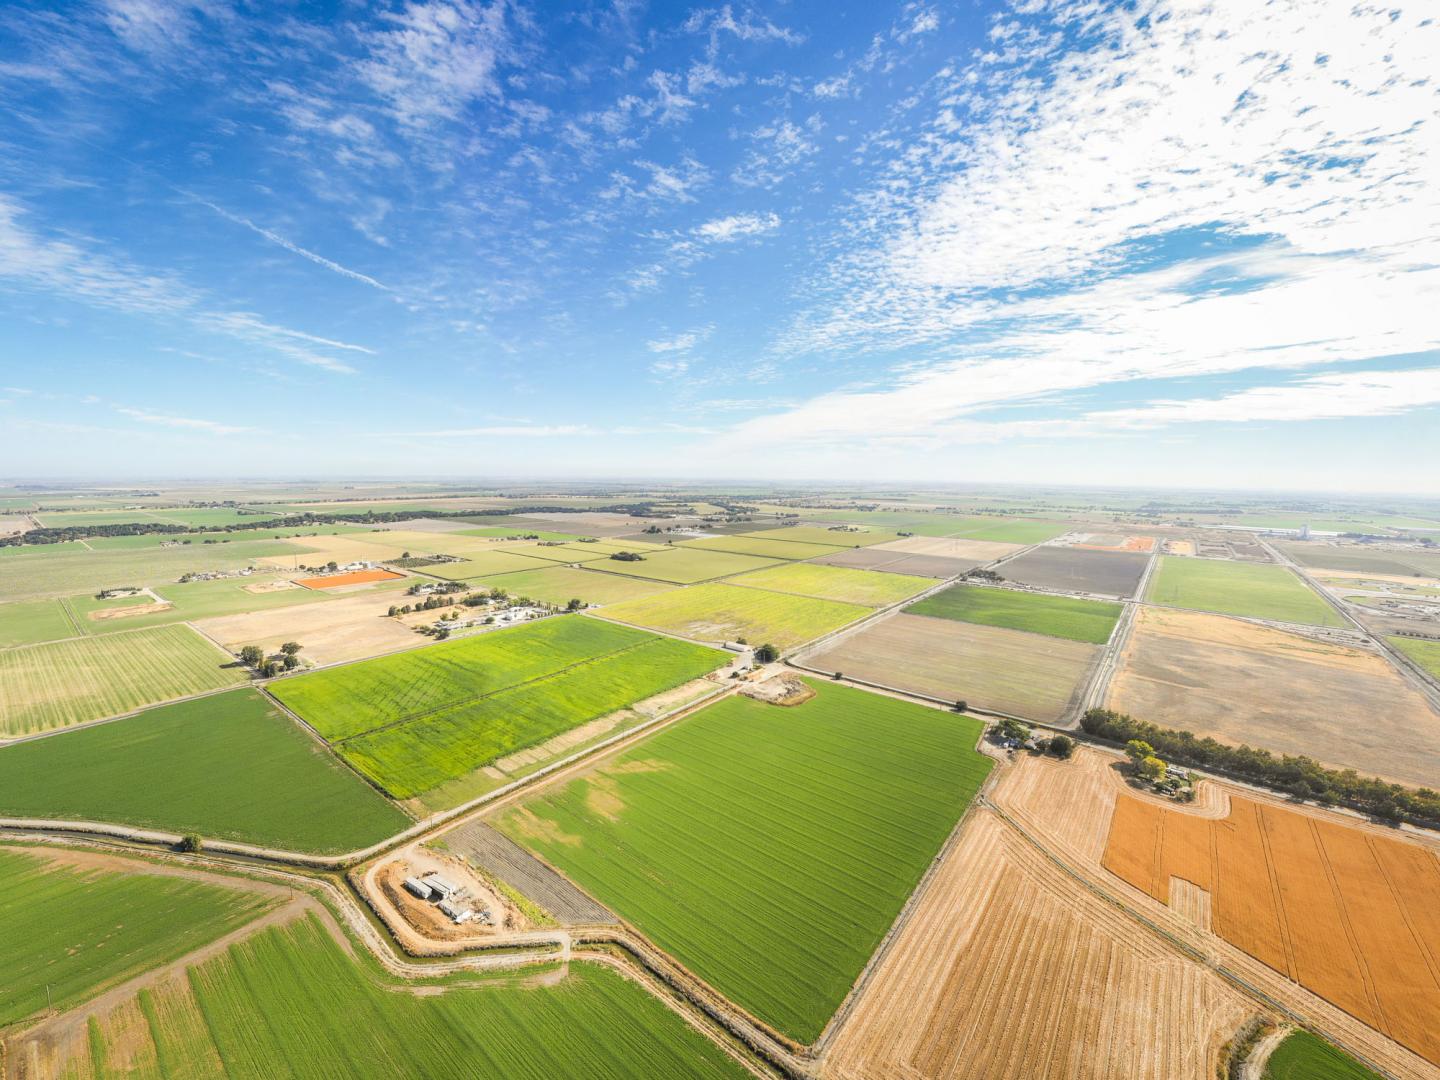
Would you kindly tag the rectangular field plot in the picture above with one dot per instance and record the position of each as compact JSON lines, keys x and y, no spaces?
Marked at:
{"x":1058,"y":616}
{"x":1243,"y":683}
{"x":561,"y":584}
{"x":973,"y":552}
{"x":1348,"y":914}
{"x":1008,"y":671}
{"x":429,"y":717}
{"x":60,"y":683}
{"x":862,"y":536}
{"x":74,"y":923}
{"x":293,"y":1002}
{"x":1071,"y":569}
{"x":193,"y":767}
{"x":33,"y":621}
{"x":1231,"y":588}
{"x":1016,"y":532}
{"x":1365,"y":558}
{"x":331,"y":632}
{"x":721,"y":612}
{"x":1001,"y":945}
{"x":768,"y":848}
{"x":484,"y":563}
{"x":758,"y":545}
{"x":354,"y":577}
{"x":836,"y":583}
{"x":684,"y":566}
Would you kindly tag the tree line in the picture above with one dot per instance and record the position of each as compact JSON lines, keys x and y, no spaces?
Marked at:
{"x":1302,"y":777}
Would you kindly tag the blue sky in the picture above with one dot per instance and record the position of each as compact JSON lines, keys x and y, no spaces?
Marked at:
{"x":1065,"y":242}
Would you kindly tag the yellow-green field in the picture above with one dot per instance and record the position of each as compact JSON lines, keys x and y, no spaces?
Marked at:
{"x":758,"y":545}
{"x":684,"y":566}
{"x":837,"y":583}
{"x":721,"y":612}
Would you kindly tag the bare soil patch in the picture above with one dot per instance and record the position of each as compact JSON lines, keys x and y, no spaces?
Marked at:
{"x":343,"y":629}
{"x":354,"y":577}
{"x":1348,"y":914}
{"x":105,"y":614}
{"x":1069,"y":569}
{"x":270,"y":586}
{"x":781,"y":690}
{"x":1008,"y":968}
{"x":1009,"y":671}
{"x":973,"y":551}
{"x":1245,"y":683}
{"x":507,"y":861}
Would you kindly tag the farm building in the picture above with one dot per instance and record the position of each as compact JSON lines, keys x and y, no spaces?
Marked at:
{"x":440,"y":886}
{"x":418,"y":888}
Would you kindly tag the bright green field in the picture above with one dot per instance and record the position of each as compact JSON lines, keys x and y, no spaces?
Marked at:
{"x":683,"y":566}
{"x":837,"y":583}
{"x":1424,"y":653}
{"x":1058,"y":616}
{"x":289,"y":1002}
{"x":69,"y":682}
{"x":721,"y":612}
{"x":69,"y":569}
{"x":1232,"y":588}
{"x":81,"y":931}
{"x":1302,"y":1056}
{"x":561,"y":584}
{"x":35,"y":620}
{"x":758,"y":545}
{"x":768,"y":848}
{"x":539,"y":534}
{"x":193,"y":767}
{"x":197,"y":600}
{"x":414,"y":721}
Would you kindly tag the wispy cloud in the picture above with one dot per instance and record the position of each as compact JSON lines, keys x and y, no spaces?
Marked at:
{"x":737,"y":226}
{"x":188,"y":423}
{"x":288,"y":245}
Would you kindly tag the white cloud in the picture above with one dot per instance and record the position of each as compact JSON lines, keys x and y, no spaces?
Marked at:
{"x":736,"y":226}
{"x":782,"y":148}
{"x":276,"y":238}
{"x":679,"y":343}
{"x":438,"y":59}
{"x":506,"y":431}
{"x":666,"y":183}
{"x":1017,"y":240}
{"x":145,"y":416}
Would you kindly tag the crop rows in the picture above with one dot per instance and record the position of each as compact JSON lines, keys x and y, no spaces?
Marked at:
{"x":69,"y":682}
{"x":289,"y":1002}
{"x":768,"y":848}
{"x":1057,"y":616}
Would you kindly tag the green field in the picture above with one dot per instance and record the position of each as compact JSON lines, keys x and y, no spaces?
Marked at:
{"x":482,"y":564}
{"x":210,"y":539}
{"x":1408,"y":562}
{"x":1058,"y":616}
{"x":31,"y":621}
{"x":414,"y":721}
{"x":198,"y":600}
{"x":839,"y":538}
{"x":193,"y":767}
{"x":1232,"y":588}
{"x":75,"y":931}
{"x":500,"y":533}
{"x":49,"y":686}
{"x":1014,"y":532}
{"x":561,"y":584}
{"x":71,"y":569}
{"x":289,"y":1002}
{"x":684,"y":566}
{"x":721,"y":612}
{"x":768,"y":848}
{"x":1303,"y":1056}
{"x":1424,"y":653}
{"x":758,"y":545}
{"x":837,"y":583}
{"x":193,"y":517}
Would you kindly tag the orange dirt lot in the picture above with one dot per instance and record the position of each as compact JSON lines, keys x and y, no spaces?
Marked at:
{"x":355,"y":577}
{"x":1130,"y":543}
{"x":1347,"y":913}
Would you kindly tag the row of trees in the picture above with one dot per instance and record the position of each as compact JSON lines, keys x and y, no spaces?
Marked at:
{"x":253,"y":657}
{"x":1300,"y":776}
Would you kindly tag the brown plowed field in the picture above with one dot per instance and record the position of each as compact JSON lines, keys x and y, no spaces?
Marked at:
{"x":1009,"y":671}
{"x":974,"y":551}
{"x":1071,"y":569}
{"x":330,"y":631}
{"x":355,"y":577}
{"x":1348,"y":914}
{"x":1008,"y":968}
{"x":1240,"y":682}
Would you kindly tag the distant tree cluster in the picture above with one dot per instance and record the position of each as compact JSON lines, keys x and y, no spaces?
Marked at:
{"x":628,"y":556}
{"x":1303,"y":777}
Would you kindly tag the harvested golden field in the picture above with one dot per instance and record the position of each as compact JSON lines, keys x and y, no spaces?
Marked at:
{"x":972,"y":551}
{"x":1347,"y":913}
{"x":329,"y":633}
{"x":1009,"y":968}
{"x":1242,"y":682}
{"x":1008,"y":671}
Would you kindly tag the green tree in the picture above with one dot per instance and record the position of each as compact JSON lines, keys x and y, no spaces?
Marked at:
{"x":1150,"y":768}
{"x":575,"y":604}
{"x":1137,"y":750}
{"x":191,"y":844}
{"x":1062,"y":746}
{"x":767,"y":654}
{"x":291,"y":662}
{"x":332,"y":565}
{"x":290,"y":648}
{"x":961,"y":705}
{"x":252,"y":656}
